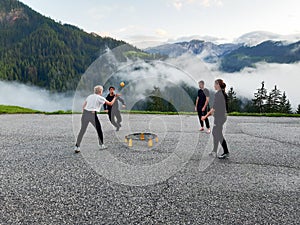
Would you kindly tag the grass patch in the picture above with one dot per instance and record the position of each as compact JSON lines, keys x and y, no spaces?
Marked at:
{"x":61,"y":112}
{"x":157,"y":112}
{"x":263,"y":114}
{"x":9,"y":109}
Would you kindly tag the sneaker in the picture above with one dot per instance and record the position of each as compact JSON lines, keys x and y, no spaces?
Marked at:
{"x":77,"y":149}
{"x":223,"y":156}
{"x":208,"y":131}
{"x":202,"y":129}
{"x":102,"y":147}
{"x":118,"y":128}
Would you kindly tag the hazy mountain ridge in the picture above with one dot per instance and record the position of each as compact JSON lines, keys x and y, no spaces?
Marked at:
{"x":233,"y":57}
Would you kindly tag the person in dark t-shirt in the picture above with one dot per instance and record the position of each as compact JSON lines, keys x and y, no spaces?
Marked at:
{"x":113,"y":111}
{"x":219,"y":110}
{"x":202,"y":105}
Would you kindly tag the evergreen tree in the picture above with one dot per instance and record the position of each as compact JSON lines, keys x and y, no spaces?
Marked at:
{"x":275,"y":99}
{"x":259,"y":98}
{"x":233,"y":101}
{"x":288,"y":107}
{"x":298,"y":110}
{"x":284,"y":105}
{"x":268,"y":106}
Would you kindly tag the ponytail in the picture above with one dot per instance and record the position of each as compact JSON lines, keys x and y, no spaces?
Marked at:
{"x":223,"y":86}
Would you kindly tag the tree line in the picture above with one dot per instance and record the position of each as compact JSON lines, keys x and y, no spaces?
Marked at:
{"x":274,"y":101}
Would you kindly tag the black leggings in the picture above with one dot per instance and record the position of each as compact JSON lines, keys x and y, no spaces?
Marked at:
{"x":112,"y":114}
{"x":218,"y":135}
{"x":89,"y":117}
{"x":200,"y":114}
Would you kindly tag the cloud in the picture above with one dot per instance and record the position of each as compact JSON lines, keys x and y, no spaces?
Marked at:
{"x":161,"y":32}
{"x":206,"y":38}
{"x":257,"y":37}
{"x":179,"y":4}
{"x":248,"y":80}
{"x":13,"y":93}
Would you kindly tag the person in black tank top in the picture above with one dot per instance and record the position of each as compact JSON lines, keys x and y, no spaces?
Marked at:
{"x":219,"y":111}
{"x":113,"y":111}
{"x":202,"y":105}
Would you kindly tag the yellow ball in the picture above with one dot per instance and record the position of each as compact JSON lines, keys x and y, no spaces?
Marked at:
{"x":122,"y":84}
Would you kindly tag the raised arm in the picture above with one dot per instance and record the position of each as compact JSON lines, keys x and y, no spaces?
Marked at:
{"x":105,"y":106}
{"x":121,"y":100}
{"x":113,"y":101}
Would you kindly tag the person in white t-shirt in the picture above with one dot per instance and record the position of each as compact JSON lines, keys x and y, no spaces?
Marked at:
{"x":91,"y":106}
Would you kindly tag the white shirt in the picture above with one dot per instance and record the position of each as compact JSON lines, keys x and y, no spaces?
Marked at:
{"x":94,"y":102}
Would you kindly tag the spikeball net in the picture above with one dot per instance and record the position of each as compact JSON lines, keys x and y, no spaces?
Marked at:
{"x":150,"y":138}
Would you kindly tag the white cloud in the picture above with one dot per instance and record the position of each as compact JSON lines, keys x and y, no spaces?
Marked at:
{"x":257,"y":37}
{"x":13,"y":93}
{"x":179,"y":4}
{"x":161,"y":32}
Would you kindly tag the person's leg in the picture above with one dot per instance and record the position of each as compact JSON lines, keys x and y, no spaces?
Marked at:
{"x":84,"y":124}
{"x":222,"y":140}
{"x":199,"y":116}
{"x":224,"y":145}
{"x":109,"y":115}
{"x":217,"y":134}
{"x":97,"y":125}
{"x":113,"y":121}
{"x":215,"y":138}
{"x":119,"y":118}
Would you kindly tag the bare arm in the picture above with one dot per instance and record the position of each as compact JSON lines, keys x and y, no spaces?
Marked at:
{"x":209,"y":113}
{"x":205,"y":104}
{"x":196,"y":106}
{"x":113,"y":101}
{"x":121,"y":100}
{"x":84,"y":105}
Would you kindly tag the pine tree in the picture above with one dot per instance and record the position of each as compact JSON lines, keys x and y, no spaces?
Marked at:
{"x":288,"y":107}
{"x":284,"y":105}
{"x":259,"y":98}
{"x":268,"y":106}
{"x":233,"y":101}
{"x":298,"y":110}
{"x":275,"y":99}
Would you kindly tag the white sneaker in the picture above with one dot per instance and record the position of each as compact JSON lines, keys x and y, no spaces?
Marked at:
{"x":223,"y":156}
{"x":77,"y":149}
{"x":102,"y":147}
{"x":208,"y":131}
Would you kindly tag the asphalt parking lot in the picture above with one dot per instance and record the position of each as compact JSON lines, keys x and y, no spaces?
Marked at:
{"x":173,"y":182}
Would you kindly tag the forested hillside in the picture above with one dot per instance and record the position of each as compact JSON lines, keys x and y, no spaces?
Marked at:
{"x":37,"y":50}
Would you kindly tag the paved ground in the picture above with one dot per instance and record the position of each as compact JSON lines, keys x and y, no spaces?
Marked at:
{"x":44,"y":182}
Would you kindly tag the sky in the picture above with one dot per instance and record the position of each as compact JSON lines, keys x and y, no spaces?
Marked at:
{"x":157,"y":21}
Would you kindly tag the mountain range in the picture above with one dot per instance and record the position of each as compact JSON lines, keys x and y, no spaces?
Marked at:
{"x":233,"y":57}
{"x":37,"y":50}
